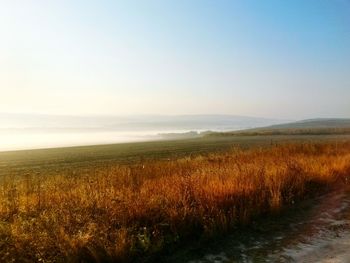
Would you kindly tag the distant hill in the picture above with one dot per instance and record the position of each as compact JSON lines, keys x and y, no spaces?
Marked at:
{"x":314,"y":123}
{"x":307,"y":127}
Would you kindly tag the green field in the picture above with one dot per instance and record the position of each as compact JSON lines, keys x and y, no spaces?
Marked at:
{"x":48,"y":161}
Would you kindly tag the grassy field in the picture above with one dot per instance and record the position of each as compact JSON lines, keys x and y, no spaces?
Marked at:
{"x":133,"y":202}
{"x":56,"y":160}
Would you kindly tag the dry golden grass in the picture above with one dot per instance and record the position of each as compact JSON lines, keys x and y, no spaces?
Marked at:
{"x":120,"y":212}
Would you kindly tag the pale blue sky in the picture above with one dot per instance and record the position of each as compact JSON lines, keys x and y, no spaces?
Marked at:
{"x":280,"y":59}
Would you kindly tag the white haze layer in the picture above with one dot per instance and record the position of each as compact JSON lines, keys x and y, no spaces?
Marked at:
{"x":30,"y":131}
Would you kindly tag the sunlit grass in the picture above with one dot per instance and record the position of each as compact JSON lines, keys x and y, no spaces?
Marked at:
{"x":121,"y":212}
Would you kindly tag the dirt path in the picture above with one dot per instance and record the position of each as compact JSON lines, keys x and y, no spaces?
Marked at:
{"x":318,"y":232}
{"x":325,"y":237}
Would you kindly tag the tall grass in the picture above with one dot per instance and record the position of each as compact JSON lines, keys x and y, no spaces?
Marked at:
{"x":123,"y":213}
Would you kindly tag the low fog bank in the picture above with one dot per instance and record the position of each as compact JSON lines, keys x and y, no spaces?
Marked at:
{"x":31,"y":131}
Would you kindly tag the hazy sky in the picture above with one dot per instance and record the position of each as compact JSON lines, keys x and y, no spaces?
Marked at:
{"x":281,"y":59}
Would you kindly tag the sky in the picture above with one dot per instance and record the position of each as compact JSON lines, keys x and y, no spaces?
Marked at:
{"x":277,"y":59}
